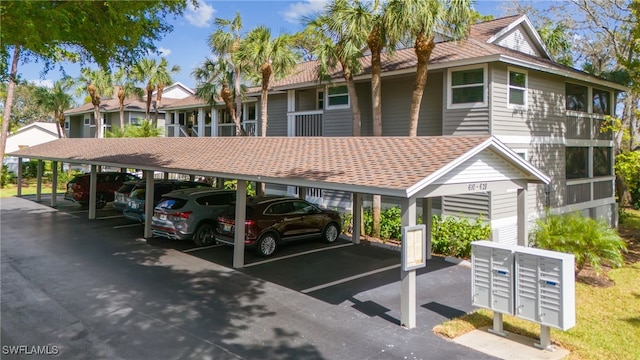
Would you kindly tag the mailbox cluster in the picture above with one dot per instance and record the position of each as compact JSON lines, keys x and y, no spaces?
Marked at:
{"x":532,"y":284}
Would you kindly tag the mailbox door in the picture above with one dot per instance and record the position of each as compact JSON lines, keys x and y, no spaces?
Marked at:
{"x":481,"y":277}
{"x":550,"y":292}
{"x":502,"y":280}
{"x":527,"y":288}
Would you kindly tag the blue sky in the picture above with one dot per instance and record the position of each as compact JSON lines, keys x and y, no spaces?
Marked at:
{"x":186,"y":46}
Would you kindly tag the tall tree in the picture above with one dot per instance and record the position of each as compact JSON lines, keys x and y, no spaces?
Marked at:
{"x":57,"y":100}
{"x":98,"y":84}
{"x":265,"y":59}
{"x":127,"y":88}
{"x":224,"y":43}
{"x":420,"y":20}
{"x":28,"y":106}
{"x":155,"y":75}
{"x":128,"y":30}
{"x":213,"y":78}
{"x":339,"y":42}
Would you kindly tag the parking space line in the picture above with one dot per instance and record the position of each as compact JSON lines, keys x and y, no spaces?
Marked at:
{"x":203,"y":248}
{"x":341,"y":281}
{"x":108,"y":217}
{"x":297,"y":254}
{"x":128,"y":225}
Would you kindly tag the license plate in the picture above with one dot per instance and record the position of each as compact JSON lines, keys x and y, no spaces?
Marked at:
{"x":133,"y":205}
{"x":163,"y":216}
{"x":226,"y":227}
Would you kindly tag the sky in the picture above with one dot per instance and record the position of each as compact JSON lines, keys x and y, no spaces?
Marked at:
{"x":187,"y":46}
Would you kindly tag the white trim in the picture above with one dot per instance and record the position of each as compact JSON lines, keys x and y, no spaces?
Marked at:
{"x":485,"y":87}
{"x":511,"y":69}
{"x":527,"y":139}
{"x":328,"y":106}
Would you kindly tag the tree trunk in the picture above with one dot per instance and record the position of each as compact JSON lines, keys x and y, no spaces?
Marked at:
{"x":9,"y":102}
{"x":238,"y":108}
{"x":356,"y":128}
{"x":266,"y":71}
{"x":149,"y":96}
{"x":158,"y":104}
{"x":60,"y":121}
{"x":98,"y":120}
{"x":423,"y":48}
{"x":121,"y":109}
{"x":376,"y":94}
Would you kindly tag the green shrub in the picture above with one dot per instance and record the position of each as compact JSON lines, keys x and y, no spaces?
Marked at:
{"x":7,"y":177}
{"x":346,"y":222}
{"x":391,"y":223}
{"x":453,"y":235}
{"x":30,"y":169}
{"x":233,"y":184}
{"x":627,"y":166}
{"x":592,"y":242}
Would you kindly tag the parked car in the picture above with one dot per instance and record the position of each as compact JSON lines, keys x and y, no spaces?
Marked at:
{"x":121,"y":195}
{"x":135,"y":202}
{"x":78,"y":188}
{"x":271,"y":221}
{"x":190,"y":214}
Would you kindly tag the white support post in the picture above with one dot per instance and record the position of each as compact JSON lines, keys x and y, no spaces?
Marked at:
{"x":291,"y":107}
{"x":241,"y":208}
{"x":19,"y":193}
{"x":356,"y":218}
{"x":39,"y":181}
{"x":214,"y":122}
{"x":200,"y":122}
{"x":148,"y":203}
{"x":545,"y":339}
{"x":93,"y":186}
{"x":54,"y":183}
{"x":427,"y":219}
{"x":498,"y":327}
{"x":302,"y":192}
{"x":523,"y":221}
{"x":408,"y":278}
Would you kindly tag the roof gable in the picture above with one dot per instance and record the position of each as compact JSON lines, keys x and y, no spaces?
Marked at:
{"x":521,"y":35}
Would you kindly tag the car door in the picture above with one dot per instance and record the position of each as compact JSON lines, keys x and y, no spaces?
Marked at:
{"x":311,"y":221}
{"x":283,"y":219}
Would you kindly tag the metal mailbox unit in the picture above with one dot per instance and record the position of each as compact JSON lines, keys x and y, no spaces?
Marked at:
{"x":532,"y":284}
{"x":545,"y":290}
{"x":492,"y":279}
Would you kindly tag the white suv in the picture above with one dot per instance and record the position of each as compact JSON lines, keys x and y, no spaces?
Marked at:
{"x":190,"y":214}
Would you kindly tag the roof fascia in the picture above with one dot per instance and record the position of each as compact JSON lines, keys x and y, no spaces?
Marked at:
{"x":529,"y":28}
{"x":564,"y":73}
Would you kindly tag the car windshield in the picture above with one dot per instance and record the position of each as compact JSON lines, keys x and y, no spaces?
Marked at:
{"x":126,"y":188}
{"x":171,"y":203}
{"x":230,"y":211}
{"x":137,"y":194}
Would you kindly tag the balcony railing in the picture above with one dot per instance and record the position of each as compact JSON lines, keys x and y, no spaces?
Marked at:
{"x":305,"y":123}
{"x":584,"y":126}
{"x":250,"y":127}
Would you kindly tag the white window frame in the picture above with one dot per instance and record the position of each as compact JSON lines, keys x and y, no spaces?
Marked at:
{"x":324,"y":100}
{"x":485,"y":87}
{"x":67,"y":125}
{"x":525,"y":88}
{"x":87,"y":121}
{"x":327,"y":96}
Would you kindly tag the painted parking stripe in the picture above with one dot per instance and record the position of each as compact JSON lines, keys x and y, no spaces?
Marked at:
{"x":203,"y":248}
{"x":341,"y":281}
{"x":108,"y":217}
{"x":126,"y":226}
{"x":296,"y":254}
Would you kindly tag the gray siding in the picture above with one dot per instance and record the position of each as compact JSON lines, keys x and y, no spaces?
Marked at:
{"x":503,"y":205}
{"x":468,"y":205}
{"x":364,"y":99}
{"x":277,"y":115}
{"x":472,"y":121}
{"x":544,"y":115}
{"x":337,"y":122}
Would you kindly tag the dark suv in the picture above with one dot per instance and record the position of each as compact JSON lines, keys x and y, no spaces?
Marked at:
{"x":271,"y":221}
{"x":135,"y":201}
{"x":108,"y":182}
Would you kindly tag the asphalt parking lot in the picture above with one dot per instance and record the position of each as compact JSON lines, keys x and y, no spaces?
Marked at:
{"x":96,"y":289}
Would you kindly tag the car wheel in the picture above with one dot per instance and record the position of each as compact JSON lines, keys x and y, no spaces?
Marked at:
{"x":204,"y":235}
{"x":330,"y":233}
{"x":101,"y":200}
{"x":267,"y":244}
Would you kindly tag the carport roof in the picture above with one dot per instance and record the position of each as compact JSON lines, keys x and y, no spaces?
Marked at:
{"x":395,"y":166}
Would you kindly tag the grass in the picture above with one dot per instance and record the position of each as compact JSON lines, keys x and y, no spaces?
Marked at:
{"x":30,"y":189}
{"x":607,"y":318}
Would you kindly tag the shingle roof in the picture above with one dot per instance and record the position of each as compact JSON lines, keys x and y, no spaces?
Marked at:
{"x":109,"y":105}
{"x":384,"y":165}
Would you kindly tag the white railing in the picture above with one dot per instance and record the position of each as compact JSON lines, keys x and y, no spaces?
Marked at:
{"x":250,"y":127}
{"x":305,"y":123}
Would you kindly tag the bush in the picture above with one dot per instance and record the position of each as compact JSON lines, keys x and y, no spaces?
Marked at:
{"x":453,"y":235}
{"x":592,"y":242}
{"x":628,"y":167}
{"x":233,"y":184}
{"x":7,"y":177}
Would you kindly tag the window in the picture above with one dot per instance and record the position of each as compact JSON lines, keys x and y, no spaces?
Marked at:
{"x":467,"y":86}
{"x":601,"y":102}
{"x":251,"y":111}
{"x":338,"y":96}
{"x":87,"y":121}
{"x":602,"y":161}
{"x":577,"y":162}
{"x":576,"y":97}
{"x":66,"y":125}
{"x":279,"y":209}
{"x":320,"y":100}
{"x":517,"y":89}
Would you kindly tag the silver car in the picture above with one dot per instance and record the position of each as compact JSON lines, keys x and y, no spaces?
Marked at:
{"x":190,"y":214}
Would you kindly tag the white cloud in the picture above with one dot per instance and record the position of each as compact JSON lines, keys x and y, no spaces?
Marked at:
{"x":199,"y":17}
{"x":164,"y":52}
{"x":48,"y":83}
{"x":295,"y":12}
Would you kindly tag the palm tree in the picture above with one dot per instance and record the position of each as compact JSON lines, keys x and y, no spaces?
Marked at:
{"x":419,"y":20}
{"x":57,"y":100}
{"x":213,"y":78}
{"x":155,"y":75}
{"x":98,"y":84}
{"x":126,"y":88}
{"x":224,"y":43}
{"x":266,"y":58}
{"x":339,"y":42}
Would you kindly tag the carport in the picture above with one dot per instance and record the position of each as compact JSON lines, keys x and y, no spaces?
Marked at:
{"x":407,"y":168}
